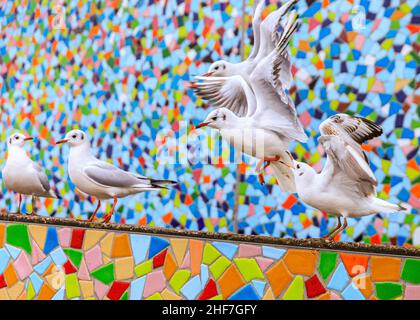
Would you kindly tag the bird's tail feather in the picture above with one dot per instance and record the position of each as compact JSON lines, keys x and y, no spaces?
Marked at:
{"x":383,"y":206}
{"x":54,"y":194}
{"x":161,"y":184}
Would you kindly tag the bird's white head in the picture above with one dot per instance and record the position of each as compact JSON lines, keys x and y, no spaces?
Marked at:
{"x":303,"y":172}
{"x":220,"y":68}
{"x":18,"y":140}
{"x":74,"y":138}
{"x":218,"y":119}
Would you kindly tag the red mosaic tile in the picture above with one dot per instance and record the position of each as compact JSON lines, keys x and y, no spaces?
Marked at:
{"x":77,"y":238}
{"x":117,"y":290}
{"x":2,"y":281}
{"x":159,"y":259}
{"x":69,"y":267}
{"x":314,"y":287}
{"x":209,"y":291}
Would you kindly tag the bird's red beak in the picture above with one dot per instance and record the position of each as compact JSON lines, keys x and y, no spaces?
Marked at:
{"x":201,"y":125}
{"x":62,"y":141}
{"x":208,"y":74}
{"x":28,"y":138}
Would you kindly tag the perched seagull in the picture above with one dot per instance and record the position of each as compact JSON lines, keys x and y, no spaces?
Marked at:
{"x":24,"y":176}
{"x":346,"y":185}
{"x":270,"y":123}
{"x":101,"y":179}
{"x":267,"y":34}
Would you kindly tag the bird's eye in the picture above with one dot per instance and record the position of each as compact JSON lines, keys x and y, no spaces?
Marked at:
{"x":298,"y":166}
{"x":216,"y":68}
{"x":17,"y":137}
{"x":224,"y":117}
{"x":74,"y":136}
{"x":214,"y":118}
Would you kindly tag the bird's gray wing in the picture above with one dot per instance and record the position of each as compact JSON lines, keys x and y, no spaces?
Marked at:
{"x":42,"y":177}
{"x":256,"y":25}
{"x":224,"y":92}
{"x":107,"y":175}
{"x":346,"y":166}
{"x":357,"y":128}
{"x":271,"y":30}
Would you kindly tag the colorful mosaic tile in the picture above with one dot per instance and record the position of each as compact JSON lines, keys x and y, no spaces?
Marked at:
{"x":218,"y":270}
{"x":122,"y":73}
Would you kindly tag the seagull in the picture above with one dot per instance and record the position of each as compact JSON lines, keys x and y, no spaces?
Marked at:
{"x":24,"y":176}
{"x":101,"y":179}
{"x":267,"y":34}
{"x":271,"y":122}
{"x":346,"y":185}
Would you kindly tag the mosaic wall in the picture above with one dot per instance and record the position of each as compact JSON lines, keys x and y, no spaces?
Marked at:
{"x":46,"y":262}
{"x":120,"y":71}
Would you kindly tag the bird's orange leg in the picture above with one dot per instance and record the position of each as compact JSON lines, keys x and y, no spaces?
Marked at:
{"x":338,"y":226}
{"x":108,"y":216}
{"x":20,"y":202}
{"x":92,"y":218}
{"x":340,"y":229}
{"x":261,"y":171}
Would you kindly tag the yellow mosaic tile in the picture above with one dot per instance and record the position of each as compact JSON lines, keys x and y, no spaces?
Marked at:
{"x":124,"y":268}
{"x":87,"y":289}
{"x":39,"y":234}
{"x":16,"y":290}
{"x":169,"y":295}
{"x":269,"y":295}
{"x":179,"y":247}
{"x":106,"y":243}
{"x":3,"y":294}
{"x":91,"y":238}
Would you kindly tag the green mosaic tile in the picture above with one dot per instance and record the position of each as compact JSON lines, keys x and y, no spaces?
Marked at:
{"x":124,"y":296}
{"x":219,"y":267}
{"x":249,"y":269}
{"x":388,"y":290}
{"x":17,"y":235}
{"x":327,"y":263}
{"x":179,"y":279}
{"x":104,"y":274}
{"x":295,"y":290}
{"x":144,"y":268}
{"x":72,"y":286}
{"x":218,"y":297}
{"x":75,"y":256}
{"x":411,"y":271}
{"x":210,"y":254}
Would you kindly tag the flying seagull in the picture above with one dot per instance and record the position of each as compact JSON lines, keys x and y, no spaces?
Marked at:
{"x":346,"y":185}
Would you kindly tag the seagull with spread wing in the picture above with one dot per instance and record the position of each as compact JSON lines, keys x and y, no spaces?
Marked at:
{"x":271,"y":121}
{"x":346,"y":185}
{"x":24,"y":176}
{"x":101,"y":179}
{"x":267,"y":34}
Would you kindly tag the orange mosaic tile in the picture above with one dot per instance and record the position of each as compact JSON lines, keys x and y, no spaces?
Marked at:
{"x":364,"y":284}
{"x":46,"y":292}
{"x":196,"y":253}
{"x":385,"y":269}
{"x":325,"y":296}
{"x":354,"y":263}
{"x":279,"y":277}
{"x":301,"y":261}
{"x":179,"y":246}
{"x":230,"y":281}
{"x":121,"y":246}
{"x":170,"y":266}
{"x":10,"y":275}
{"x":2,"y":227}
